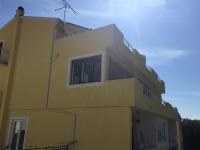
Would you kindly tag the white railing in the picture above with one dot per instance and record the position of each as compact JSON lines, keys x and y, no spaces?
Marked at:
{"x":129,"y":46}
{"x":167,"y":104}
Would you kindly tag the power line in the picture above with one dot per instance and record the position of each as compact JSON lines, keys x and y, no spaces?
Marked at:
{"x":65,"y":7}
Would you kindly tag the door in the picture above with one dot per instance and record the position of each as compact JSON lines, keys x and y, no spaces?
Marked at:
{"x":17,"y":134}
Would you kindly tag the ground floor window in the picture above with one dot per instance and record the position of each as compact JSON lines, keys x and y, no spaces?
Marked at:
{"x":162,"y":131}
{"x":17,"y":133}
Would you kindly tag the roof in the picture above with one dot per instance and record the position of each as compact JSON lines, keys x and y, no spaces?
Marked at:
{"x":54,"y":19}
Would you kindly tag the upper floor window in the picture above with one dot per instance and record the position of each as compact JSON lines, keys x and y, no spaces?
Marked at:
{"x":1,"y":48}
{"x":147,"y":90}
{"x":86,"y":70}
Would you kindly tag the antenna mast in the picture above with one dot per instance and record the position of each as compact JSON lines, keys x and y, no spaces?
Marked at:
{"x":65,"y":7}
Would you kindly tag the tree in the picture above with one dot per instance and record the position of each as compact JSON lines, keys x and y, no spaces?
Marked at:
{"x":191,"y":134}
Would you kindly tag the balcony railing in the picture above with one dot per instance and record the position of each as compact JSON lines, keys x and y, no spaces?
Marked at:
{"x":168,"y":105}
{"x":148,"y":147}
{"x":130,"y":47}
{"x":173,"y":145}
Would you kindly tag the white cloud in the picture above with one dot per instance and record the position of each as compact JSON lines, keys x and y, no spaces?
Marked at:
{"x":183,"y":96}
{"x":195,"y":93}
{"x":164,"y":53}
{"x":95,"y":13}
{"x":172,"y":98}
{"x":123,"y":9}
{"x":154,"y":3}
{"x":193,"y":117}
{"x":163,"y":56}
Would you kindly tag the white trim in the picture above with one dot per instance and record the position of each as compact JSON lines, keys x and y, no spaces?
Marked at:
{"x":10,"y":126}
{"x":102,"y":53}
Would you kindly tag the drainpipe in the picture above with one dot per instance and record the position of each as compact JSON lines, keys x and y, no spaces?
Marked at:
{"x":47,"y":109}
{"x":11,"y":69}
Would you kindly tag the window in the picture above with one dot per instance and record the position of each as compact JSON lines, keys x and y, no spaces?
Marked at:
{"x":147,"y":90}
{"x":116,"y":71}
{"x":17,"y":134}
{"x":1,"y":48}
{"x":162,"y":131}
{"x":86,"y":70}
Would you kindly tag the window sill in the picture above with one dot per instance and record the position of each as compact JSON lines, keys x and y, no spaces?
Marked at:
{"x":85,"y":85}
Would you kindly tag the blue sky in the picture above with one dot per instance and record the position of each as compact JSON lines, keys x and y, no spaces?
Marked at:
{"x":166,"y":31}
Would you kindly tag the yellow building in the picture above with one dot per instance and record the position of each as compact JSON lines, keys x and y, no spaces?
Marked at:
{"x":66,"y":84}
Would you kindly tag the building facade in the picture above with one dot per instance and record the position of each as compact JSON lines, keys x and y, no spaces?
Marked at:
{"x":63,"y":83}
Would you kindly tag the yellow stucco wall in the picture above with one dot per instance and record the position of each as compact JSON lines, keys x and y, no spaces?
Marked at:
{"x":3,"y":76}
{"x":31,"y":72}
{"x":152,"y":105}
{"x":31,"y":68}
{"x":97,"y":128}
{"x":108,"y":93}
{"x":103,"y":111}
{"x":18,"y":76}
{"x":6,"y":34}
{"x":34,"y":73}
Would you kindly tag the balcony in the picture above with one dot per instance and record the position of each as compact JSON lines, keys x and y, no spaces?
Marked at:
{"x":154,"y":77}
{"x":128,"y":55}
{"x":126,"y":92}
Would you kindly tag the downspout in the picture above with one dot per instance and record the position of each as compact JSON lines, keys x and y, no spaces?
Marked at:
{"x":47,"y":109}
{"x":11,"y":69}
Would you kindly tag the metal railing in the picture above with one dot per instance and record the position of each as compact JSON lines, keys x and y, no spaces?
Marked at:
{"x":148,"y":147}
{"x":167,"y":104}
{"x":173,"y":145}
{"x":129,"y":46}
{"x":60,"y":146}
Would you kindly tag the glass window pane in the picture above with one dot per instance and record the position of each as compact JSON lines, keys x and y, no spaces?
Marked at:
{"x":1,"y":47}
{"x":17,"y":134}
{"x":21,"y":139}
{"x":14,"y":136}
{"x":86,"y":70}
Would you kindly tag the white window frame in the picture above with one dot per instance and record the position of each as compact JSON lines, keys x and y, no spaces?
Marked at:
{"x":102,"y":53}
{"x":10,"y":129}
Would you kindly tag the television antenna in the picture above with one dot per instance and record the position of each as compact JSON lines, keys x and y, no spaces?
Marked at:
{"x":65,"y":7}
